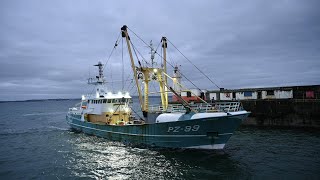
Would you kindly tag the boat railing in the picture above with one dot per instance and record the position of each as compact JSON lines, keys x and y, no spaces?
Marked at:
{"x":228,"y":106}
{"x":76,"y":107}
{"x":199,"y":107}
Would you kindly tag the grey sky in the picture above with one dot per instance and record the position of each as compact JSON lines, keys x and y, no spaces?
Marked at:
{"x":47,"y":47}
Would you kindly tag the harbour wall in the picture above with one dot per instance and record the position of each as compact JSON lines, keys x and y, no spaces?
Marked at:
{"x":283,"y":112}
{"x":288,"y":106}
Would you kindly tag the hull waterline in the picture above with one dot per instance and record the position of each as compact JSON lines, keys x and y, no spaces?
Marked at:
{"x":207,"y":133}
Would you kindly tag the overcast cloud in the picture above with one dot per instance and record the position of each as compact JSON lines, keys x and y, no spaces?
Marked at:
{"x":47,"y":48}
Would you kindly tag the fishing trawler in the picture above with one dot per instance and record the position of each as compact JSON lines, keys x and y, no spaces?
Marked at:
{"x":180,"y":125}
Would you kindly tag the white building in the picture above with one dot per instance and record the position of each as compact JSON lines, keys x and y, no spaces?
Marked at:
{"x":247,"y":94}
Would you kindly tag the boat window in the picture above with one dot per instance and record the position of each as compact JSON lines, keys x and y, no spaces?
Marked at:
{"x":109,"y":101}
{"x":100,"y":101}
{"x":247,"y":93}
{"x":112,"y":100}
{"x":270,"y":92}
{"x":116,"y":100}
{"x":104,"y":101}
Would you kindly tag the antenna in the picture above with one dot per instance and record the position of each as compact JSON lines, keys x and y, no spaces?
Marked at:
{"x":100,"y":79}
{"x":100,"y":69}
{"x":152,"y":52}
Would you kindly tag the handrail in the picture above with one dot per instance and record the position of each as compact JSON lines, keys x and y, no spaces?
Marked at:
{"x":201,"y":107}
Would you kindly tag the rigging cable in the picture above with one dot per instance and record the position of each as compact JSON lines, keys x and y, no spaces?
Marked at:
{"x":163,"y":58}
{"x":182,"y":74}
{"x":155,"y":51}
{"x":135,"y":49}
{"x":111,"y":79}
{"x":193,"y":64}
{"x":157,"y":47}
{"x":136,"y":113}
{"x":114,"y":47}
{"x":169,"y":57}
{"x":122,"y":66}
{"x":128,"y":79}
{"x":173,"y":66}
{"x":105,"y":65}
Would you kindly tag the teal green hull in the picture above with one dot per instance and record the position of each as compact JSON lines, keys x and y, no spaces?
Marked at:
{"x":206,"y":133}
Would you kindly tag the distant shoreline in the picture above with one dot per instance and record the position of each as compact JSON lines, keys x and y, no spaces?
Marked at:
{"x":35,"y":100}
{"x":63,"y":99}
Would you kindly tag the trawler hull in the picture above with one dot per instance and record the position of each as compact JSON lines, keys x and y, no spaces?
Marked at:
{"x":206,"y":133}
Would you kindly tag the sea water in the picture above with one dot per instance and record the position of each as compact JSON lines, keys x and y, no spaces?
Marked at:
{"x":36,"y":143}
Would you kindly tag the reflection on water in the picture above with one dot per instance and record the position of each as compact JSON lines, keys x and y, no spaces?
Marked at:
{"x":93,"y":157}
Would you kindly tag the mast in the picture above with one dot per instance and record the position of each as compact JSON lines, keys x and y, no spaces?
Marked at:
{"x":125,"y":34}
{"x":152,"y":52}
{"x":100,"y":77}
{"x":146,"y":74}
{"x":165,"y":95}
{"x":176,"y":79}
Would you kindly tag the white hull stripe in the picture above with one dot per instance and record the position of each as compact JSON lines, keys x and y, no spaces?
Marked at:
{"x":130,"y":134}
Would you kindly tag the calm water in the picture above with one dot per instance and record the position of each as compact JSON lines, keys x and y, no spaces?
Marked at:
{"x":36,"y":143}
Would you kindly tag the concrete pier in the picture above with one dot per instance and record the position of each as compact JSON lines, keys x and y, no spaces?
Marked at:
{"x":283,"y":112}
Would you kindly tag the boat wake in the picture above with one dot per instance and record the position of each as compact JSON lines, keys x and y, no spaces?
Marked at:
{"x":32,"y":130}
{"x":43,"y":114}
{"x":58,"y":128}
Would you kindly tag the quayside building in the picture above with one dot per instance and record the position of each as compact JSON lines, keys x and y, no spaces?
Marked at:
{"x":291,"y":106}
